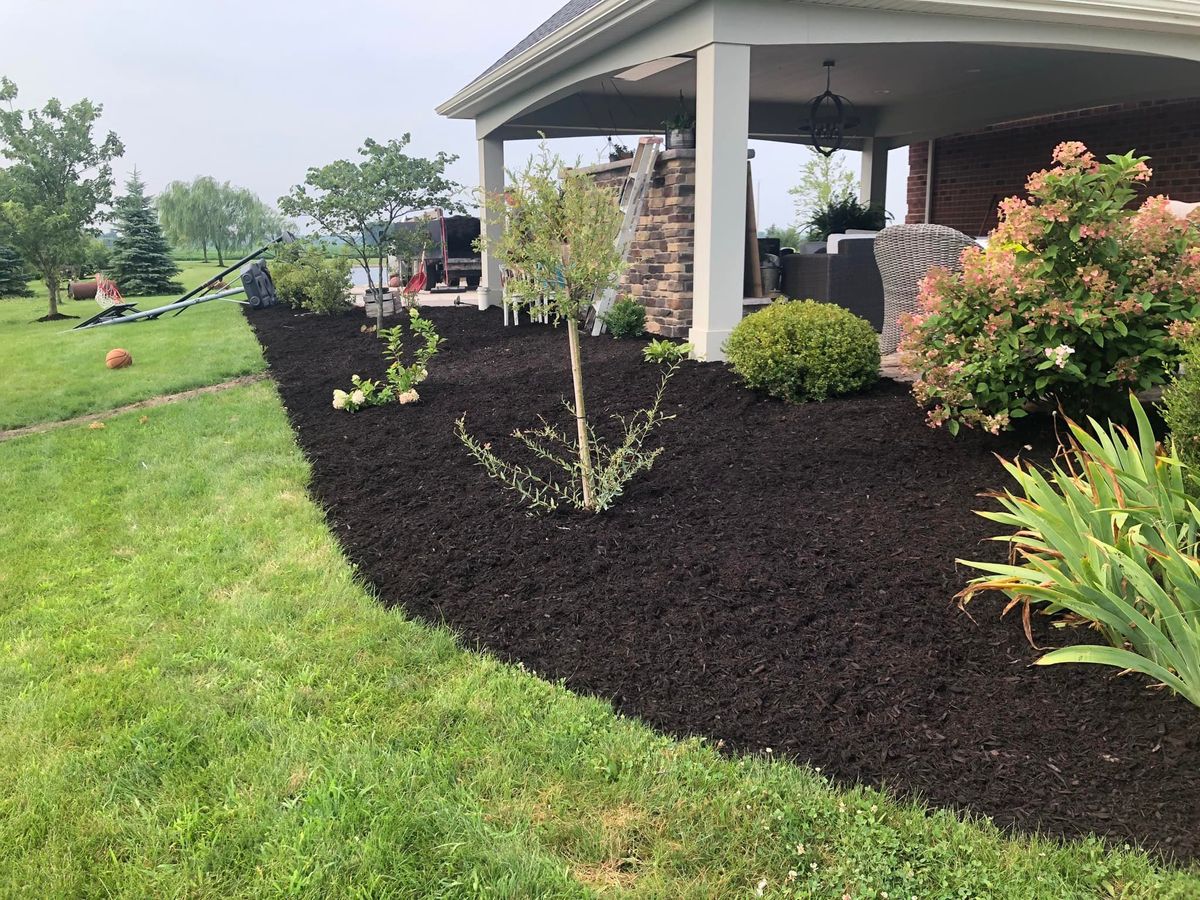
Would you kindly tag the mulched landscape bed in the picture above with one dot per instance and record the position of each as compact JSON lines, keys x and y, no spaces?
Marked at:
{"x":781,"y":579}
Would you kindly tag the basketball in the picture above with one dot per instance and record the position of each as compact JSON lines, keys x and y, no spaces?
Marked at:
{"x":118,"y":359}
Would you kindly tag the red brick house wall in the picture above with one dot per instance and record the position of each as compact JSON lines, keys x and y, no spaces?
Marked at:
{"x":973,"y":172}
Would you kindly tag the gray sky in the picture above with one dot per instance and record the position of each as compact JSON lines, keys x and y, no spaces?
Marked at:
{"x":256,"y":91}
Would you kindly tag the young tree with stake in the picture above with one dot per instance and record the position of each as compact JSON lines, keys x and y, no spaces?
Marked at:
{"x":559,"y":246}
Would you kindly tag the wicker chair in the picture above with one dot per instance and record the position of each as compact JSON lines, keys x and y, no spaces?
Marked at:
{"x":905,"y":253}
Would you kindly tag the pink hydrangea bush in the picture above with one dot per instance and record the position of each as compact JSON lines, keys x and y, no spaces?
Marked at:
{"x":1079,"y":298}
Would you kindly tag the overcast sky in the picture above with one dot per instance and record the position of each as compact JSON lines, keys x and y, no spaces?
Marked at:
{"x":256,"y":91}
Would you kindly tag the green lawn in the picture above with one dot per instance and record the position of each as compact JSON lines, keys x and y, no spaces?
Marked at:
{"x":198,"y":699}
{"x":53,"y":375}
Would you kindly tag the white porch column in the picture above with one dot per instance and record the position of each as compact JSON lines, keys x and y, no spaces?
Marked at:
{"x":722,"y":139}
{"x":491,"y":181}
{"x":872,"y":187}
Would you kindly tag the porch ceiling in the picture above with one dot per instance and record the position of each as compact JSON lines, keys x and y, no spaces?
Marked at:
{"x":902,"y":92}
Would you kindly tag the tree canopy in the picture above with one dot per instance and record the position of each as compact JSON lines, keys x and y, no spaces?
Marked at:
{"x":360,"y":203}
{"x":57,"y":183}
{"x":822,"y":181}
{"x":205,"y":213}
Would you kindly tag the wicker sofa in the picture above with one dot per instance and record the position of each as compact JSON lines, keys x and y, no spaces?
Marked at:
{"x":850,"y":278}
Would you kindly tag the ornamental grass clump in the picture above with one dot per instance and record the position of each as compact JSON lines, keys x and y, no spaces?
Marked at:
{"x":400,"y":381}
{"x":559,"y":247}
{"x":1107,"y":537}
{"x":805,"y":350}
{"x":1078,"y":299}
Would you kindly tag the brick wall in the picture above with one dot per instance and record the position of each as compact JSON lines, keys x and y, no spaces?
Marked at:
{"x":661,"y":254}
{"x":972,"y":172}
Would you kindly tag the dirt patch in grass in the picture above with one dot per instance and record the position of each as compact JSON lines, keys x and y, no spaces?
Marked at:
{"x":782,"y":579}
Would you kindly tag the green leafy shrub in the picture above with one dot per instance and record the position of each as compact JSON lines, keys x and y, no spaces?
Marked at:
{"x":625,"y":319}
{"x":842,"y":214}
{"x":804,"y":351}
{"x":1078,"y":299}
{"x":1181,"y":409}
{"x":308,"y":277}
{"x":1108,"y":537}
{"x":400,"y":383}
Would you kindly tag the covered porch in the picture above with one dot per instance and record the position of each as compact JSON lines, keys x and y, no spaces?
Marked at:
{"x":914,"y":70}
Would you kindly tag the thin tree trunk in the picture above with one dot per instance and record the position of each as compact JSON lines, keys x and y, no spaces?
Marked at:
{"x":382,"y":284}
{"x":52,"y":288}
{"x":220,"y":255}
{"x":585,"y":447}
{"x":204,"y":247}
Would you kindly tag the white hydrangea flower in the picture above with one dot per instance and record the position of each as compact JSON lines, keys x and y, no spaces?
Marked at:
{"x":339,"y":399}
{"x":358,"y":398}
{"x":1060,"y":354}
{"x":409,"y":396}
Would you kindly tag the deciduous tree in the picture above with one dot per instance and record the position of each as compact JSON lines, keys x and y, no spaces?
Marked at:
{"x":57,"y":183}
{"x":823,"y":179}
{"x":360,"y":203}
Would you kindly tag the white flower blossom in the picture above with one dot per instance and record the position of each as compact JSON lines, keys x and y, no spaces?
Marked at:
{"x":409,"y":396}
{"x":339,"y":399}
{"x":1059,"y":354}
{"x":358,"y":398}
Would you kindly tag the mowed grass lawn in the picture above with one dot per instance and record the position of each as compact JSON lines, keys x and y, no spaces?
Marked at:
{"x":197,"y":698}
{"x":52,"y":373}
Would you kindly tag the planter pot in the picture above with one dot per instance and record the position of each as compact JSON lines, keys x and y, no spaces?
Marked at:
{"x":681,"y":139}
{"x":394,"y":281}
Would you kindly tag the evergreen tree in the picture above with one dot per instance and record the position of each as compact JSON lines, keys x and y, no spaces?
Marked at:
{"x":14,"y":278}
{"x":141,"y":260}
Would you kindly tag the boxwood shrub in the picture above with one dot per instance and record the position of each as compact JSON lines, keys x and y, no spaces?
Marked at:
{"x":804,"y":350}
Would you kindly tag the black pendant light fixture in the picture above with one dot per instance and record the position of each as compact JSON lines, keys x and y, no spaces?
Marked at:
{"x":830,"y":116}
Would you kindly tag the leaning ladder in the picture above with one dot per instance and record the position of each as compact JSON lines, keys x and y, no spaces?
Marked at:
{"x":633,"y":198}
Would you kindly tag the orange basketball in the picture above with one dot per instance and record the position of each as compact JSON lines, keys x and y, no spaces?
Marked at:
{"x":118,"y":359}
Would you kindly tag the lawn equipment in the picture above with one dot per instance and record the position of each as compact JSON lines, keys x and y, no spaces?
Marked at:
{"x":256,"y":285}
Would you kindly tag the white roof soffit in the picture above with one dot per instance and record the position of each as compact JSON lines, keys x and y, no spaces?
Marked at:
{"x":538,"y":62}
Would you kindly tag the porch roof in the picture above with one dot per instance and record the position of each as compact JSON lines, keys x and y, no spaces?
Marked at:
{"x":914,"y":68}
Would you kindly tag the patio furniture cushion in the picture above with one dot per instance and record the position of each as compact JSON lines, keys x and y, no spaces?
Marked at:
{"x":834,"y":242}
{"x":849,"y":278}
{"x":905,"y":254}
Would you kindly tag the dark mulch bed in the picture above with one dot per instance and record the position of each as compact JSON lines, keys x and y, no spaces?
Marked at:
{"x":782,"y":578}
